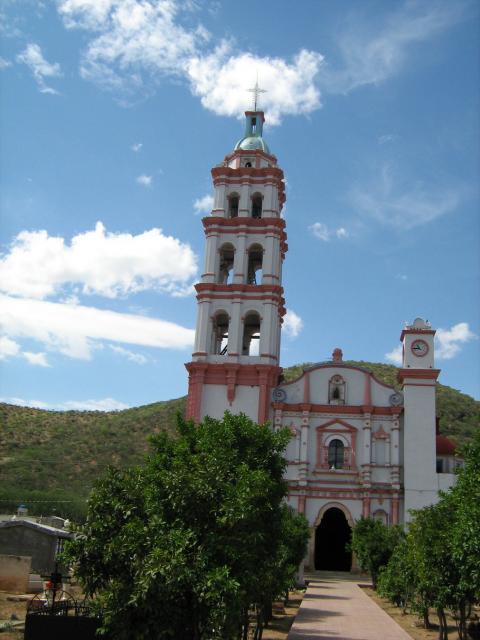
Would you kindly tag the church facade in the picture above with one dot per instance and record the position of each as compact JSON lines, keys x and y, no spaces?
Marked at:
{"x":358,"y":447}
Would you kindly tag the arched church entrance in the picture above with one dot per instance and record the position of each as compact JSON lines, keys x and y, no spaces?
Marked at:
{"x":332,"y":536}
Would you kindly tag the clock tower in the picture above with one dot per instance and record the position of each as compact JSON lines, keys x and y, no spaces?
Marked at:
{"x":418,"y":377}
{"x":235,"y":363}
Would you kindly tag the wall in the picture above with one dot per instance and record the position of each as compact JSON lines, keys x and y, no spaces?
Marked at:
{"x":14,"y":572}
{"x":23,"y":540}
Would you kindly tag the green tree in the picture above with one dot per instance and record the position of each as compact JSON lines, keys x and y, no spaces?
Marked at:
{"x":186,"y":545}
{"x":373,"y":544}
{"x":438,"y":564}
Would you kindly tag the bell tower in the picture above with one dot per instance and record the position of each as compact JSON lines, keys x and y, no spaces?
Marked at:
{"x":235,"y":362}
{"x":418,"y":377}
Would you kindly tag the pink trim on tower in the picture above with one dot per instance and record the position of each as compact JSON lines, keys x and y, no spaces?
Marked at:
{"x":418,"y":332}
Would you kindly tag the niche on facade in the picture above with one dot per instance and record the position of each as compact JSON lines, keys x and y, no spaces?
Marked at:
{"x":233,"y":203}
{"x":255,"y":263}
{"x":220,"y":334}
{"x":336,"y":390}
{"x":225,"y":269}
{"x":336,"y":446}
{"x":257,"y":203}
{"x":381,"y":516}
{"x":336,"y":454}
{"x":251,"y":334}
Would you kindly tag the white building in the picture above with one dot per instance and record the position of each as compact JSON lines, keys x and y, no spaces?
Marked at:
{"x":358,"y":447}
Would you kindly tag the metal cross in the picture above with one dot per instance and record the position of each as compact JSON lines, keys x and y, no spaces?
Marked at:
{"x":256,"y":92}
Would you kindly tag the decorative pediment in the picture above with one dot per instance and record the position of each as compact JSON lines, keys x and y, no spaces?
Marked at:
{"x":380,"y":434}
{"x":337,"y":426}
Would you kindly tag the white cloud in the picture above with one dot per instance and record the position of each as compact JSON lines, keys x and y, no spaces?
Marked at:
{"x":136,"y":147}
{"x":292,"y":324}
{"x":132,"y":40}
{"x":387,"y":137}
{"x":104,"y":404}
{"x":133,"y":44}
{"x":449,"y":341}
{"x":8,"y":348}
{"x":138,"y":358}
{"x":39,"y":359}
{"x":203,"y":205}
{"x":404,"y":206}
{"x":4,"y":64}
{"x":107,"y":264}
{"x":145,"y":181}
{"x":322,"y":232}
{"x":21,"y":402}
{"x":222,"y":78}
{"x":76,"y":330}
{"x":395,"y":356}
{"x":372,"y":53}
{"x":32,"y":56}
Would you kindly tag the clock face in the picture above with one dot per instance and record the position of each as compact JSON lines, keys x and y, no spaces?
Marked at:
{"x":419,"y":348}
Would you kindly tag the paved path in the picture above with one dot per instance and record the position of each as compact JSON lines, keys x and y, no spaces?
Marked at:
{"x":336,"y":608}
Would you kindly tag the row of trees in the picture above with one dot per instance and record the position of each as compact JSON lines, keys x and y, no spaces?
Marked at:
{"x":436,"y":564}
{"x":198,"y":541}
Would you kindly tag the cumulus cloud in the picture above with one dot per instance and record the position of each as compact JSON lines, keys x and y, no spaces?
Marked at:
{"x":39,"y":359}
{"x":107,"y":264}
{"x":145,"y":181}
{"x":4,"y":64}
{"x":221,"y":79}
{"x":203,"y":205}
{"x":76,"y":330}
{"x":395,"y":356}
{"x":8,"y":348}
{"x":370,"y":54}
{"x":138,"y":358}
{"x":104,"y":404}
{"x":292,"y":324}
{"x":449,"y":341}
{"x":322,"y":232}
{"x":136,"y":147}
{"x":135,"y":43}
{"x":395,"y":202}
{"x":32,"y":56}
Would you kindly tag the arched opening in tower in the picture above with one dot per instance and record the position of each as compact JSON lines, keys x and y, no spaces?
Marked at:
{"x":257,"y":205}
{"x":233,"y":201}
{"x":251,"y":335}
{"x":227,"y":256}
{"x":332,"y":536}
{"x":255,"y":263}
{"x":220,"y":334}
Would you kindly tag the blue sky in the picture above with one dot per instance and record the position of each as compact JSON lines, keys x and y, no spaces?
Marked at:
{"x":113,"y":113}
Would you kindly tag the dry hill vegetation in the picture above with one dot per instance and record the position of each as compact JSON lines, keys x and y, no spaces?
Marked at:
{"x":49,"y":459}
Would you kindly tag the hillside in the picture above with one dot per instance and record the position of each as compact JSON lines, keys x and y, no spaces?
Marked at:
{"x":50,"y":459}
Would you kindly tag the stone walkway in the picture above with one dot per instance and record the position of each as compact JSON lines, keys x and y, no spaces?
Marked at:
{"x":335,"y":608}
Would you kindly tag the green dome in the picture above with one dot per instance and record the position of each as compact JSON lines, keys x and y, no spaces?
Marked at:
{"x":251,"y":143}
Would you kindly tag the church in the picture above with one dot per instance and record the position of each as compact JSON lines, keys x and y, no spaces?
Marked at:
{"x":358,"y":446}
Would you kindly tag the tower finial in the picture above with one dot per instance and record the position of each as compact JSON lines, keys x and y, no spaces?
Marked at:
{"x":256,"y":92}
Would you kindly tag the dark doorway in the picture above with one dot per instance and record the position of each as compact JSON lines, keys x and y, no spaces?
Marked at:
{"x":331,"y":537}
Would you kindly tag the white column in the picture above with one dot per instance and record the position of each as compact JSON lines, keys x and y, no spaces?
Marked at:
{"x":220,"y":200}
{"x":244,"y":205}
{"x":202,"y":333}
{"x":235,"y":329}
{"x":211,"y":259}
{"x":239,"y":267}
